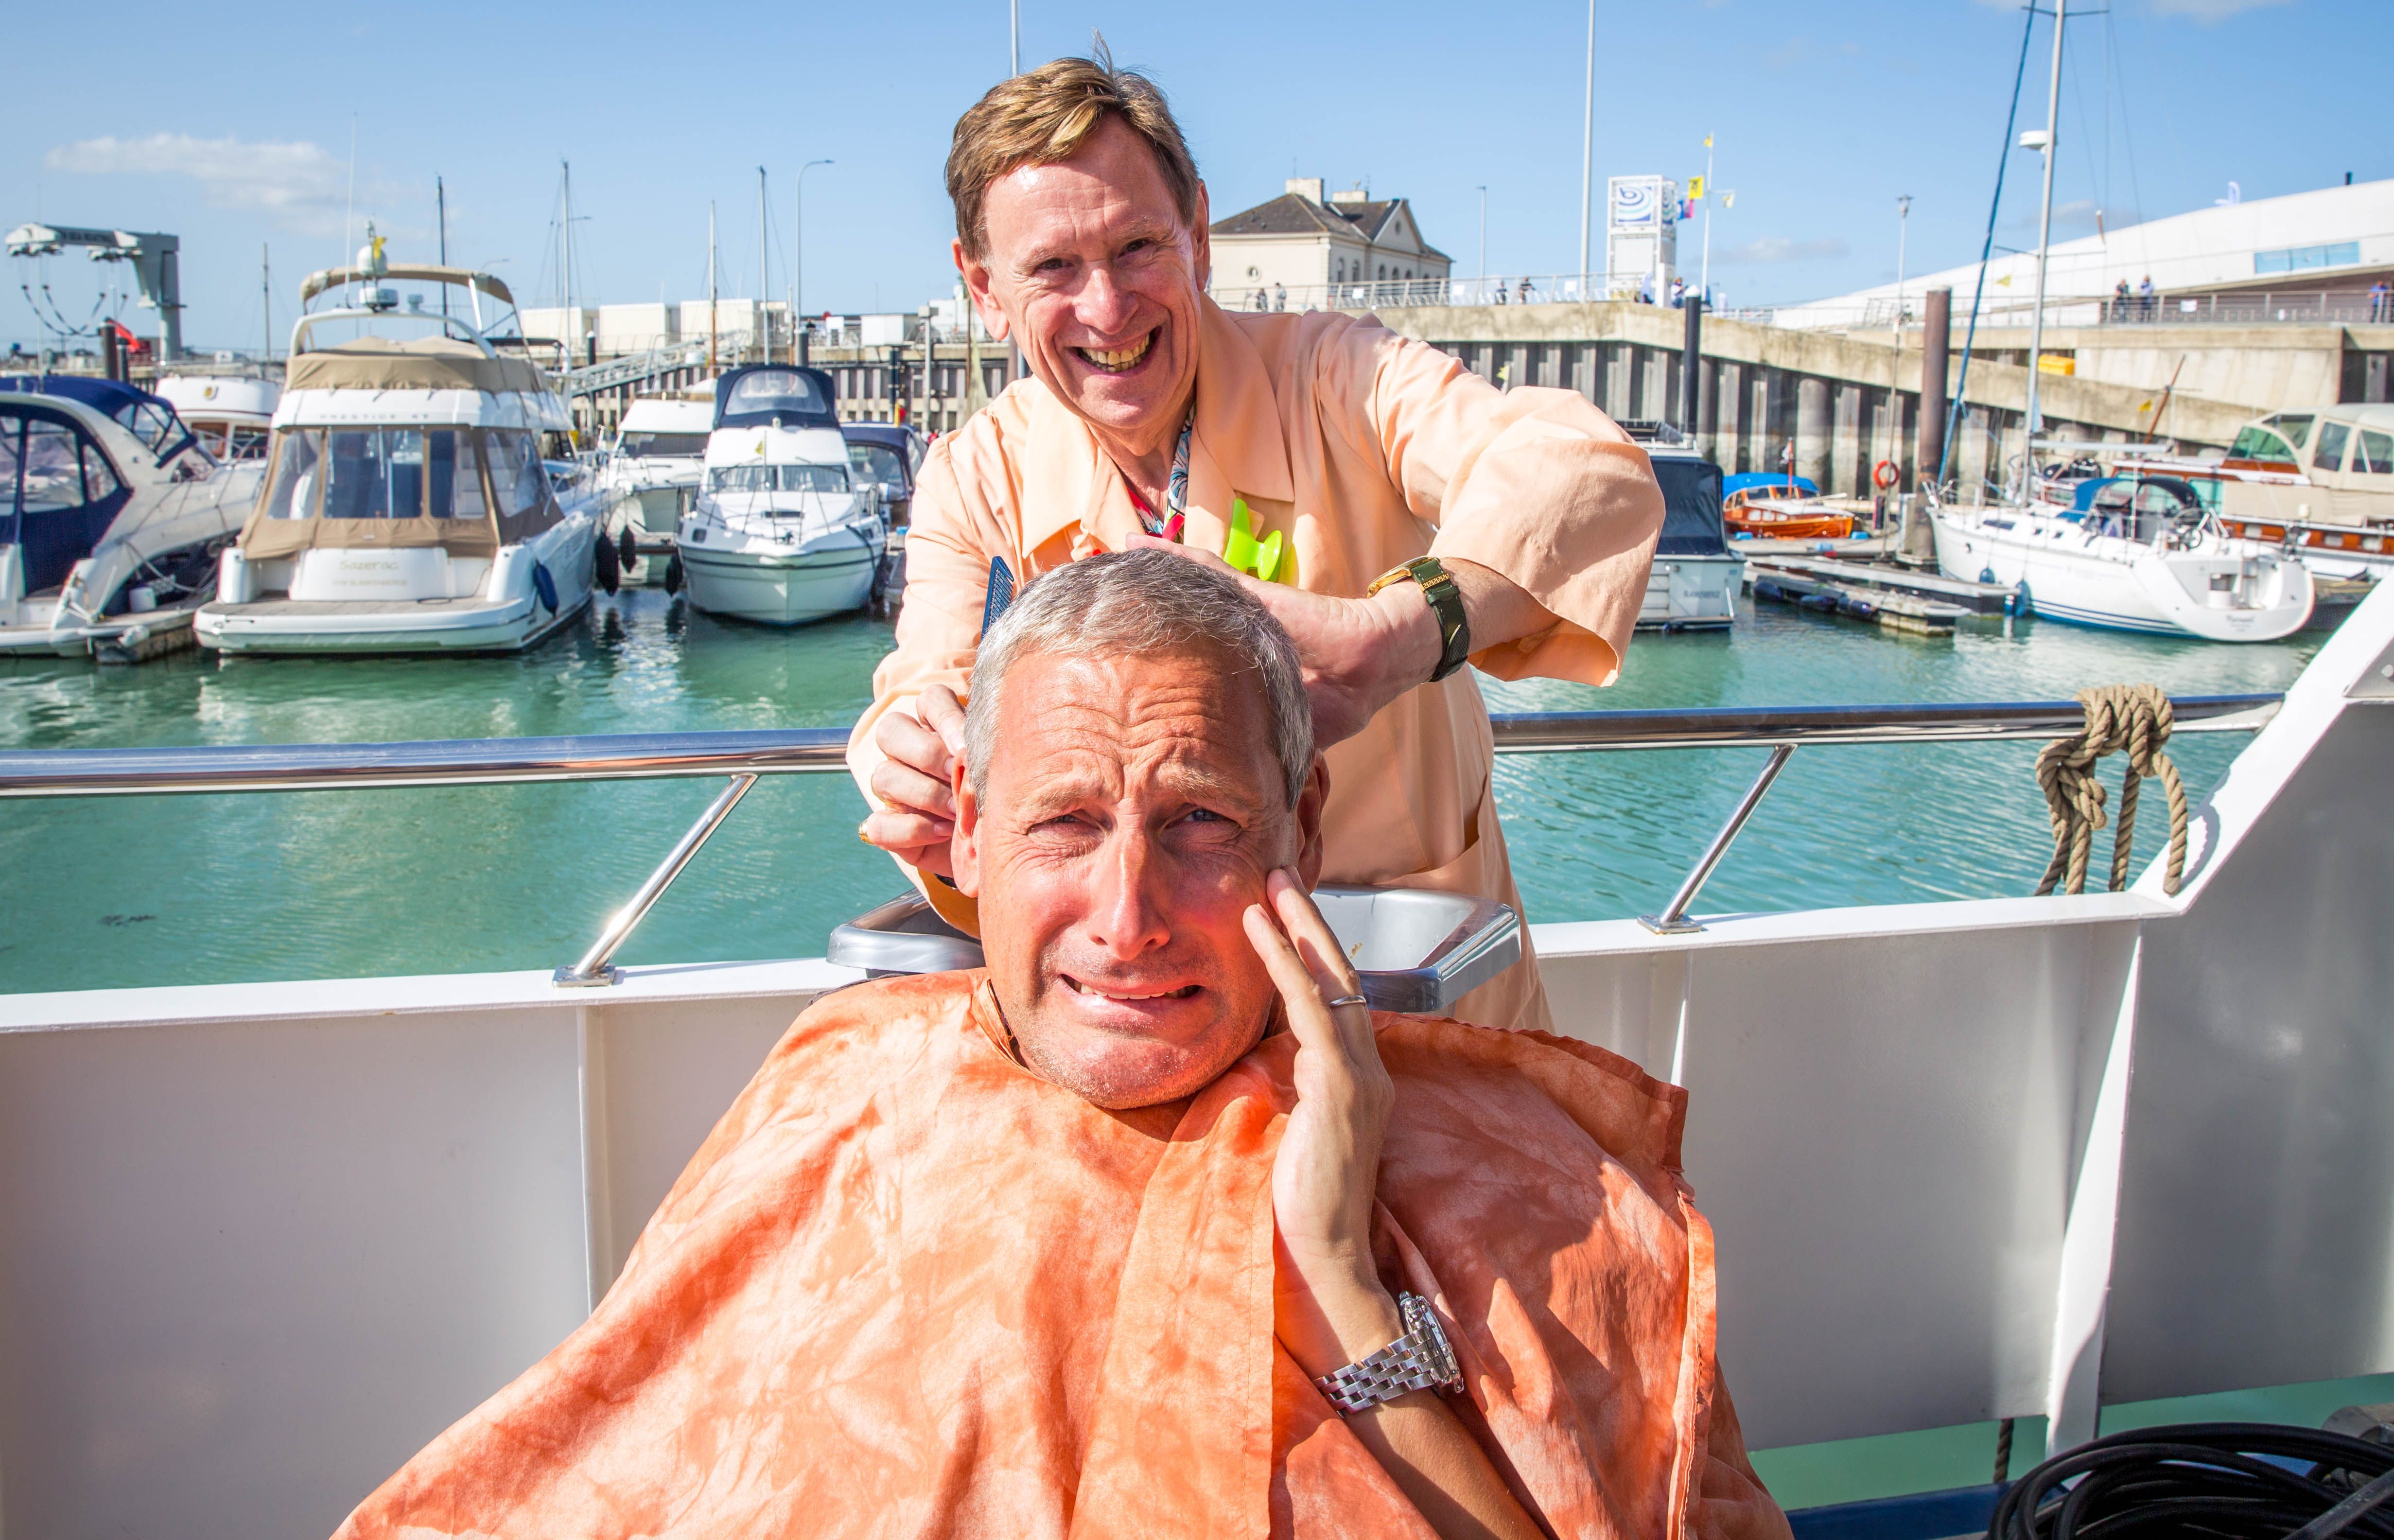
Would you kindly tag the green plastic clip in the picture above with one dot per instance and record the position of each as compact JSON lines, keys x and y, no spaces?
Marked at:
{"x":1258,"y":558}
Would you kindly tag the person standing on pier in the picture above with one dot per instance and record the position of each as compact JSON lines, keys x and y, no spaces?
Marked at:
{"x":1395,"y":512}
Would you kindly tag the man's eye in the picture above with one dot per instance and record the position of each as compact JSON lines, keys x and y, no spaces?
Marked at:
{"x":1209,"y":816}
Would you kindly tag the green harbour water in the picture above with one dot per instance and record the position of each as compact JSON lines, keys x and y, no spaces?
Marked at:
{"x":124,"y":891}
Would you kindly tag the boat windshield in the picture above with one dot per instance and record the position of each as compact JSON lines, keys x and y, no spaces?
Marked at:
{"x":2256,"y":442}
{"x":876,"y":462}
{"x":1692,"y":506}
{"x":2295,"y":425}
{"x":778,"y":478}
{"x":766,"y":395}
{"x":638,"y":445}
{"x":377,"y":473}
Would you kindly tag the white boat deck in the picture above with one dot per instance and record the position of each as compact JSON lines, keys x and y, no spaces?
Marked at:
{"x":2024,"y":1156}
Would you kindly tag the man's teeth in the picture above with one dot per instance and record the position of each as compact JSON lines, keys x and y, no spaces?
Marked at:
{"x":1120,"y":358}
{"x":1182,"y":993}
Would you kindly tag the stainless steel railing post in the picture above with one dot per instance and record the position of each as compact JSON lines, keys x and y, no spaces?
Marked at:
{"x":594,"y":969}
{"x":1673,"y":920}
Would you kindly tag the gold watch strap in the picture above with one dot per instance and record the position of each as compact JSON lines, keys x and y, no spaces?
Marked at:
{"x":1445,"y":600}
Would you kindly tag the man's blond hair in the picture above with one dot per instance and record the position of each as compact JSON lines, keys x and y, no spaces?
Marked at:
{"x":1045,"y":115}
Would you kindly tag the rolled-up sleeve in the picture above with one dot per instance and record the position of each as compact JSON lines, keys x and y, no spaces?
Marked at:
{"x":938,"y":626}
{"x":1536,"y":485}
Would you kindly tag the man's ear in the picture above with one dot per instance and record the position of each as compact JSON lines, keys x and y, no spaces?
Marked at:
{"x":1201,"y":243}
{"x":977,"y":285}
{"x":963,"y":843}
{"x":1311,"y":799}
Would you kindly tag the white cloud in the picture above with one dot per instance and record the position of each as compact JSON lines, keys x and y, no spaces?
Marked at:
{"x":2211,"y":12}
{"x":1781,"y":249}
{"x":302,"y":185}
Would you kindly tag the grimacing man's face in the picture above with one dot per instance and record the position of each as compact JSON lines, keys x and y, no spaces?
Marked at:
{"x":1132,"y":810}
{"x":1090,"y":267}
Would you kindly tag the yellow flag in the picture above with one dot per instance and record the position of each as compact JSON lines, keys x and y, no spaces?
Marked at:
{"x":2005,"y":281}
{"x":1695,"y":189}
{"x":1708,"y":141}
{"x":1729,"y":199}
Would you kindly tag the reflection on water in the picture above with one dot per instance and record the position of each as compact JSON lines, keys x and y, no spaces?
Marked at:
{"x":151,"y":890}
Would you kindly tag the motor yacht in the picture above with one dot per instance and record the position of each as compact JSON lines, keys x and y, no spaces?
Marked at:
{"x":408,"y":508}
{"x":1694,"y":582}
{"x":655,"y":467}
{"x":2129,"y":556}
{"x":780,"y":533}
{"x":111,"y":516}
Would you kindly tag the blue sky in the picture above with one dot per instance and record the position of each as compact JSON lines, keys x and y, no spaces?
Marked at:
{"x":237,"y":135}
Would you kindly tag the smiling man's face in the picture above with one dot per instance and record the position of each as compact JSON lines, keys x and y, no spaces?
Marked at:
{"x":1090,"y":267}
{"x":1132,"y":810}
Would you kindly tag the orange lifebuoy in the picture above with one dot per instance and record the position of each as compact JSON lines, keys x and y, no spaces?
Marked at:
{"x":1886,"y":474}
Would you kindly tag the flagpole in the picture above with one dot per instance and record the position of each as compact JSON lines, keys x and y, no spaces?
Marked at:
{"x":1587,"y":151}
{"x":1704,"y":288}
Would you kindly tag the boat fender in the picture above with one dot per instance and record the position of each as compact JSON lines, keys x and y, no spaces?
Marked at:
{"x":545,"y":586}
{"x":1986,"y":574}
{"x":604,"y":565}
{"x":673,"y":573}
{"x":627,"y":550}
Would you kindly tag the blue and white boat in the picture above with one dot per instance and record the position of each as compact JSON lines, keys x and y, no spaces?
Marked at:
{"x":111,"y":516}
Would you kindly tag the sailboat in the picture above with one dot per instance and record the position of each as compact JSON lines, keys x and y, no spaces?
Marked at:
{"x":2165,"y":570}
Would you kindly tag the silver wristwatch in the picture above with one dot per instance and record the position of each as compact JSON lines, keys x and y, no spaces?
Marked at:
{"x":1421,"y":1360}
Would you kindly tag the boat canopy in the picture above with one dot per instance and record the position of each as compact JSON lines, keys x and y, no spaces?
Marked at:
{"x":466,"y":489}
{"x":148,"y":419}
{"x":1692,"y":506}
{"x":1767,"y":482}
{"x":59,"y":495}
{"x":334,"y":278}
{"x":420,"y":363}
{"x":778,"y":395}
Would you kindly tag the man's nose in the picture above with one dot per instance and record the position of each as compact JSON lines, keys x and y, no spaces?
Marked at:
{"x":1104,"y":304}
{"x":1124,"y":918}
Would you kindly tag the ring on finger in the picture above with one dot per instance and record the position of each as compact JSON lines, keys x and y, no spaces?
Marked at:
{"x":1345,"y":1000}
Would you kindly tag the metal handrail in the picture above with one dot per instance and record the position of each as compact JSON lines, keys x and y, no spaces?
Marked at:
{"x":649,"y":755}
{"x":746,"y":755}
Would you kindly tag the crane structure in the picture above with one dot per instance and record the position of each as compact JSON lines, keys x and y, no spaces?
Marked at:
{"x":154,"y":259}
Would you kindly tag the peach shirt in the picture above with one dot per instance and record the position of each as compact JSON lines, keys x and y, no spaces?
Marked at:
{"x":1366,"y":450}
{"x":908,"y":1288}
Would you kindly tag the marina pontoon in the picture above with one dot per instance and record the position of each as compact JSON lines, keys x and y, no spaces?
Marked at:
{"x":111,"y":516}
{"x":781,"y":534}
{"x":408,"y":509}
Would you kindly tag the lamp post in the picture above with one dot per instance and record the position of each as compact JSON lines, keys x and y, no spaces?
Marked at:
{"x":1587,"y":151}
{"x":798,"y":245}
{"x":1484,"y":243}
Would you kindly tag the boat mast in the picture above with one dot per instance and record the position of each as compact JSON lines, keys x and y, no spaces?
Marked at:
{"x":2044,"y":245}
{"x":1586,"y":154}
{"x":710,"y":285}
{"x":441,"y":201}
{"x":764,"y":286}
{"x":565,"y":260}
{"x":266,"y":302}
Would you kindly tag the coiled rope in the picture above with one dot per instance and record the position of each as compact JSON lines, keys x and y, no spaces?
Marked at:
{"x":2134,"y":718}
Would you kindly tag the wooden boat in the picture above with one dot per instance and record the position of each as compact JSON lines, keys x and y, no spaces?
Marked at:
{"x":1758,"y":505}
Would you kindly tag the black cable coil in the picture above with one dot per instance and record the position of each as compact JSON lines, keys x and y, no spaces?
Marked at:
{"x":2222,"y":1480}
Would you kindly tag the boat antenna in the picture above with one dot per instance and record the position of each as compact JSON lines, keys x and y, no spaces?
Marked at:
{"x":710,"y":286}
{"x":764,"y":282}
{"x":2003,"y":162}
{"x":2044,"y":249}
{"x":266,"y":301}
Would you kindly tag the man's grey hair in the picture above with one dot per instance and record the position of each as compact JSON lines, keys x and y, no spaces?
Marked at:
{"x":1140,"y":604}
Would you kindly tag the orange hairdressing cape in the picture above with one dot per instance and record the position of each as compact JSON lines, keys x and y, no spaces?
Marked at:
{"x":908,"y":1288}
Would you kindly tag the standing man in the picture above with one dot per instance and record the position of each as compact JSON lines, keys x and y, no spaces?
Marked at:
{"x":1397,"y":514}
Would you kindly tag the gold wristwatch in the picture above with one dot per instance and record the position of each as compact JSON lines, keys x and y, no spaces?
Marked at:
{"x":1445,"y":600}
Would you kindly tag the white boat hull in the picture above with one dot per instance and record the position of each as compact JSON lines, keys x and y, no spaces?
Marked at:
{"x":2213,"y":591}
{"x":1692,"y":593}
{"x":776,"y":584}
{"x":506,"y":622}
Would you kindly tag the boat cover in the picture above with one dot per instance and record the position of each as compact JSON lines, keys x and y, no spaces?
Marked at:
{"x":1691,"y":507}
{"x":1767,"y":480}
{"x":421,"y":363}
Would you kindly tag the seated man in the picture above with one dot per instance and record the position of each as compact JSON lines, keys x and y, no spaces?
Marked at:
{"x":1093,"y":1241}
